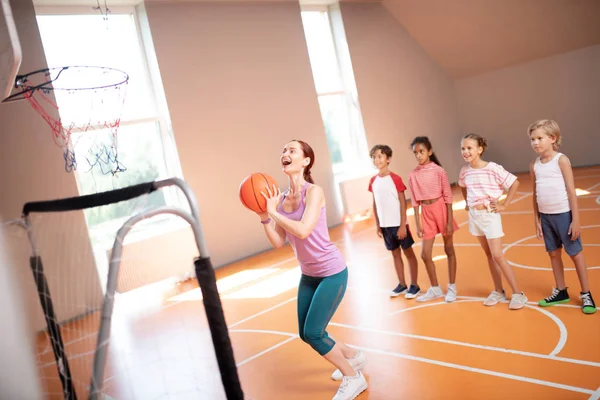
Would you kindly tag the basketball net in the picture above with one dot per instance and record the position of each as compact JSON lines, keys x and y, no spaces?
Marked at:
{"x":89,"y":103}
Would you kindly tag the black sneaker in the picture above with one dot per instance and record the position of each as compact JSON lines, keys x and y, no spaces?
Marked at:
{"x":400,"y":289}
{"x":557,"y":297}
{"x":587,"y":303}
{"x":413,"y":291}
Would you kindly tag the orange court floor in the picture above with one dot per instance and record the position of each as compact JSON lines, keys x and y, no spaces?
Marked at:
{"x":433,"y":350}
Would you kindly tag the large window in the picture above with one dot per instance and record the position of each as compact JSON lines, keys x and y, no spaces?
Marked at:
{"x":336,"y":94}
{"x":144,"y":140}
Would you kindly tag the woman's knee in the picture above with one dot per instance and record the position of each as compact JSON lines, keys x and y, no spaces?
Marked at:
{"x":318,"y":340}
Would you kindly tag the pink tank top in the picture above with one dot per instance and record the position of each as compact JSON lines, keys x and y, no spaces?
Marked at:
{"x":316,"y":254}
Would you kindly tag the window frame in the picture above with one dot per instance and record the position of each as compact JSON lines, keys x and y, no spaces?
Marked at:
{"x":172,"y":166}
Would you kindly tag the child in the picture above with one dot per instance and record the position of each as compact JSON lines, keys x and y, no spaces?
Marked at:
{"x":556,"y":212}
{"x":482,"y":183}
{"x":430,"y":190}
{"x":389,"y":206}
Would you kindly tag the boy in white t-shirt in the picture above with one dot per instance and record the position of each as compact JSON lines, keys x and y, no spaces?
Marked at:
{"x":556,"y":212}
{"x":389,"y":206}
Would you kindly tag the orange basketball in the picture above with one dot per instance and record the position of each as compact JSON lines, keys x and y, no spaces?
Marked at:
{"x":250,"y":189}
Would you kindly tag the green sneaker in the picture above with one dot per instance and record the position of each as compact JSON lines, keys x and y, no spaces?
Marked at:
{"x":557,"y":297}
{"x":587,"y":303}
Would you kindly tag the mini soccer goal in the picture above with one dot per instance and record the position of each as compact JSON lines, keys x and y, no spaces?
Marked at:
{"x":90,"y":341}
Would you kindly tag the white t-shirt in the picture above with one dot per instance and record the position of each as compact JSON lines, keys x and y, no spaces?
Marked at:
{"x":385,"y":190}
{"x":550,"y":188}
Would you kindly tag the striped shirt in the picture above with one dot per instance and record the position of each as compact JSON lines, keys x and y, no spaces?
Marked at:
{"x":429,"y":182}
{"x":485,"y":184}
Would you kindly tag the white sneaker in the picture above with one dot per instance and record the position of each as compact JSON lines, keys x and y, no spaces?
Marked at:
{"x":358,"y":363}
{"x":494,"y":298}
{"x":451,"y":293}
{"x":351,"y":387}
{"x":432,"y":293}
{"x":517,"y":301}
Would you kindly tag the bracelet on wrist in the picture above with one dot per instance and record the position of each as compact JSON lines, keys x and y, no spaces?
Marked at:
{"x":266,"y":221}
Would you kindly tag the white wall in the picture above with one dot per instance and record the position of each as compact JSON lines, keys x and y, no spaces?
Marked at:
{"x":18,"y":374}
{"x":239,"y":86}
{"x":403,"y":93}
{"x":501,"y":105}
{"x":31,"y":169}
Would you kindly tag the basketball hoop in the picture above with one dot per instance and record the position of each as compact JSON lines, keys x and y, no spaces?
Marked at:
{"x":91,"y":102}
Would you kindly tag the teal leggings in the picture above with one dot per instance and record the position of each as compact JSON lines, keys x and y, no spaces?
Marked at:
{"x":318,"y":298}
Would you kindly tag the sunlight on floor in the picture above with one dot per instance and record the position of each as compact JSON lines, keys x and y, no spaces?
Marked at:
{"x":581,"y":192}
{"x":258,"y":283}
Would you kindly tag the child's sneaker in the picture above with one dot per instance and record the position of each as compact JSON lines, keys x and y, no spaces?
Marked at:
{"x":400,"y":289}
{"x":587,"y":303}
{"x":494,"y":298}
{"x":451,"y":293}
{"x":432,"y":293}
{"x":358,"y":363}
{"x":351,"y":387}
{"x":413,"y":292}
{"x":558,"y":296}
{"x":517,"y":301}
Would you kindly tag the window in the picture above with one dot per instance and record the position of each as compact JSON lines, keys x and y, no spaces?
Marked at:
{"x":145,"y":143}
{"x":336,"y":94}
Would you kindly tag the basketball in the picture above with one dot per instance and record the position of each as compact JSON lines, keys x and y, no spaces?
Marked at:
{"x":250,"y":189}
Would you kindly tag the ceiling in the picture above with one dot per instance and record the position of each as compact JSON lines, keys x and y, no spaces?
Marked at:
{"x":471,"y":37}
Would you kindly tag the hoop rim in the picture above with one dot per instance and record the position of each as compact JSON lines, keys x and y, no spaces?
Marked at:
{"x":20,"y":79}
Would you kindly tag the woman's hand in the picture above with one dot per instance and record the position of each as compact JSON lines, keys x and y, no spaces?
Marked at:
{"x":273,"y":198}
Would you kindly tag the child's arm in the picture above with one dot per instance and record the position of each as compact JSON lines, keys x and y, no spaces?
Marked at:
{"x":402,"y":229}
{"x":567,"y":172}
{"x":418,"y":220}
{"x":274,"y":232}
{"x":377,"y":227}
{"x":415,"y":205}
{"x":536,"y":212}
{"x":512,"y":190}
{"x":447,"y":195}
{"x":463,"y":190}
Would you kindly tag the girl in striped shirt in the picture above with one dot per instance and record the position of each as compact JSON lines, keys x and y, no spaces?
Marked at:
{"x":482,"y":183}
{"x":430,"y":190}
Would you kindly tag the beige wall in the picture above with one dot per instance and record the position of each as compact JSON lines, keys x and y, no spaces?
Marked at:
{"x":32,"y":168}
{"x":18,"y":375}
{"x":239,"y":86}
{"x":403,"y":93}
{"x":501,"y":105}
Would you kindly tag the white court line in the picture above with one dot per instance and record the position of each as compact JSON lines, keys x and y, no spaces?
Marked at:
{"x":595,"y":395}
{"x":517,"y":242}
{"x":562,"y":341}
{"x":478,"y":370}
{"x":474,"y":346}
{"x":261,"y":313}
{"x":247,"y":360}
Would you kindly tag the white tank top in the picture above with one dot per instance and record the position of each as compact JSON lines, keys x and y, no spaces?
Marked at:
{"x":550,"y":187}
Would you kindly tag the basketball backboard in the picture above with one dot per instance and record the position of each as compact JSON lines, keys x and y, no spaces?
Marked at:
{"x":10,"y":50}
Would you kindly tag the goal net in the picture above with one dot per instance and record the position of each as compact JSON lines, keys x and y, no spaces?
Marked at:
{"x":113,"y":319}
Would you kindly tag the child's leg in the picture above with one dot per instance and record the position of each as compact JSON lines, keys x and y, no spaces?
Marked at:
{"x":426,"y":251}
{"x":413,"y":265}
{"x":558,"y":268}
{"x":495,"y":246}
{"x":581,"y":269}
{"x":494,"y":269}
{"x":449,"y":250}
{"x":399,"y":265}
